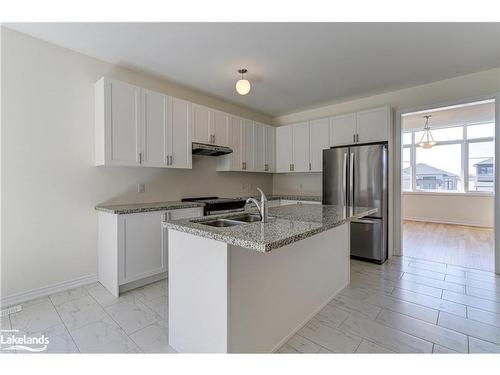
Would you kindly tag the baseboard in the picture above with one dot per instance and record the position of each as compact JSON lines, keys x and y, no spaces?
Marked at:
{"x":444,"y":221}
{"x":307,"y":319}
{"x":46,"y":290}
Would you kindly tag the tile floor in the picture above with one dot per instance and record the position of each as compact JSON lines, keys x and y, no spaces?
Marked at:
{"x":404,"y":306}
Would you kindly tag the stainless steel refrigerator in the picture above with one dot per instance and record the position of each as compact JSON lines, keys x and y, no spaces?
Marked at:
{"x":357,"y":175}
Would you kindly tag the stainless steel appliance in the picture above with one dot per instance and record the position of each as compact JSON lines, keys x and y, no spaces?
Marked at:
{"x":216,"y":205}
{"x":210,"y":150}
{"x":357,"y":175}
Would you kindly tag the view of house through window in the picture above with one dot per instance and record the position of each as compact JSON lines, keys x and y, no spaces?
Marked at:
{"x":463,"y":159}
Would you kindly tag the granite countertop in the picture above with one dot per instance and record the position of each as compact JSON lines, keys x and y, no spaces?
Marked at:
{"x":121,"y":209}
{"x":146,"y":207}
{"x":290,"y":224}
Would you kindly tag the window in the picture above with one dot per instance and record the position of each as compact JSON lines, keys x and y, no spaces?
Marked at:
{"x":481,"y":166}
{"x":442,"y":164}
{"x":463,"y":160}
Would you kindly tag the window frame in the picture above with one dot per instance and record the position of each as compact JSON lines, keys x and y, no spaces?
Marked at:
{"x":464,"y":144}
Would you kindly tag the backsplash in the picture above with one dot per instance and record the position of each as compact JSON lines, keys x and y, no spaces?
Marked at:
{"x":297,"y":183}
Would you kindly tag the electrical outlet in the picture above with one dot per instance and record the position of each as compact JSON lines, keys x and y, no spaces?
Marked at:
{"x":141,"y":188}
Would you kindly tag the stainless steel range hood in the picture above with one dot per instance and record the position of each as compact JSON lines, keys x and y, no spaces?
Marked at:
{"x":210,"y":150}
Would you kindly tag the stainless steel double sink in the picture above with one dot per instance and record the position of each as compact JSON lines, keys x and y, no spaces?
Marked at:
{"x":230,"y":221}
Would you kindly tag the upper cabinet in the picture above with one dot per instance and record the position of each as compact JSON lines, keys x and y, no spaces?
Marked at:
{"x":220,"y":129}
{"x":373,"y":125}
{"x":202,"y":124}
{"x":117,"y":123}
{"x":270,"y":149}
{"x":343,"y":130}
{"x":319,"y":140}
{"x":139,"y":127}
{"x":284,"y":153}
{"x":179,"y":133}
{"x":247,"y":144}
{"x":300,"y":152}
{"x":259,"y":147}
{"x":367,"y":126}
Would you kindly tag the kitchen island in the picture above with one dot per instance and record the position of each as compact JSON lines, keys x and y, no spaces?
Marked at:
{"x":249,"y":286}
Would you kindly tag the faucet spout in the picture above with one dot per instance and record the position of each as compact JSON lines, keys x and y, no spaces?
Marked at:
{"x":262,"y":207}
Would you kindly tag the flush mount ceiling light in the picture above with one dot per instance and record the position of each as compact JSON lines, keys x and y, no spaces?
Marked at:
{"x":427,"y":141}
{"x":243,"y":86}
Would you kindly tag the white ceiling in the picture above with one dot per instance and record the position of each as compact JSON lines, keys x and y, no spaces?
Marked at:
{"x":292,"y":66}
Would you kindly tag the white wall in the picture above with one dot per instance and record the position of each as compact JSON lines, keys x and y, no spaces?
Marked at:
{"x":451,"y":209}
{"x":49,"y":182}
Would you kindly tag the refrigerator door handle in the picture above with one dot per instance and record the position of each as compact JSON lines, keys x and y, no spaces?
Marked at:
{"x":351,"y":180}
{"x":344,"y":178}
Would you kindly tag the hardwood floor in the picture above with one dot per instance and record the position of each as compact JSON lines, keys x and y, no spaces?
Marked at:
{"x":407,"y":306}
{"x":452,"y":244}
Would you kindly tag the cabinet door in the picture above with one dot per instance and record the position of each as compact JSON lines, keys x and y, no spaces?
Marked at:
{"x":319,"y":133}
{"x":300,"y":147}
{"x":123,"y":124}
{"x":259,"y":147}
{"x":220,"y":129}
{"x":154,"y":129}
{"x":180,"y":133}
{"x":270,"y":151}
{"x":236,"y":144}
{"x":373,"y":125}
{"x":141,"y":252}
{"x":284,"y":141}
{"x":201,"y":124}
{"x":342,"y":129}
{"x":248,"y":145}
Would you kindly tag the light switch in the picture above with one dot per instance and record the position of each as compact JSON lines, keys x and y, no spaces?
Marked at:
{"x":141,"y":188}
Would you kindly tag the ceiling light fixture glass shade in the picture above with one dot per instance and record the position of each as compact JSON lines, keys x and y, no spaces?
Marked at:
{"x":243,"y":86}
{"x":427,"y":141}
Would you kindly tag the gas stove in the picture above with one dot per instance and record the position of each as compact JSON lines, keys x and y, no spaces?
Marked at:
{"x":216,"y":205}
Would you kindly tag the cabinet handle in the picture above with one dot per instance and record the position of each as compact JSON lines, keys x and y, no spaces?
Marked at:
{"x":354,"y":138}
{"x":214,"y":138}
{"x":140,"y":157}
{"x":290,"y":167}
{"x":244,"y":165}
{"x":166,"y":159}
{"x":309,"y":165}
{"x":357,"y":137}
{"x":266,"y":167}
{"x":171,"y":159}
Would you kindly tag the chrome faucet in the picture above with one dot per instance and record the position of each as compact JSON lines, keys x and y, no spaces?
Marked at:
{"x":262,"y":207}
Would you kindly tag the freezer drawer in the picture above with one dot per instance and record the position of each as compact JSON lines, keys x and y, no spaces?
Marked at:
{"x":368,"y":240}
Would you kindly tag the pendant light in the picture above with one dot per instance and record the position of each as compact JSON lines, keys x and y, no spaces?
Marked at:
{"x":243,"y":86}
{"x":427,"y":141}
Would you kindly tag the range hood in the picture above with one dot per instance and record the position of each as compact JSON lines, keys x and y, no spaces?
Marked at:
{"x":210,"y":150}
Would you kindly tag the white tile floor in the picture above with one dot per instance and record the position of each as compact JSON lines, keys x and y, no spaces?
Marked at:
{"x":404,"y":306}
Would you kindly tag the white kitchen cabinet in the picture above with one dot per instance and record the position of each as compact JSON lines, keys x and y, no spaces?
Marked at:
{"x":139,"y":127}
{"x":202,"y":124}
{"x":134,"y":247}
{"x":284,"y":149}
{"x":259,"y":147}
{"x":367,"y":126}
{"x":292,"y":148}
{"x":270,"y":149}
{"x":343,"y":130}
{"x":319,"y":140}
{"x":220,"y":129}
{"x":301,"y":147}
{"x":179,"y":134}
{"x":117,"y":123}
{"x":248,"y":138}
{"x":234,"y":160}
{"x":155,"y":118}
{"x":373,"y":125}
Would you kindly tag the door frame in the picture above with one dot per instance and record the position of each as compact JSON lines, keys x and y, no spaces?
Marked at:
{"x":397,"y":131}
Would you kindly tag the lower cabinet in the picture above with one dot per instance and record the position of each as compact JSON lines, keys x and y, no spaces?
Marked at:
{"x":133,"y":248}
